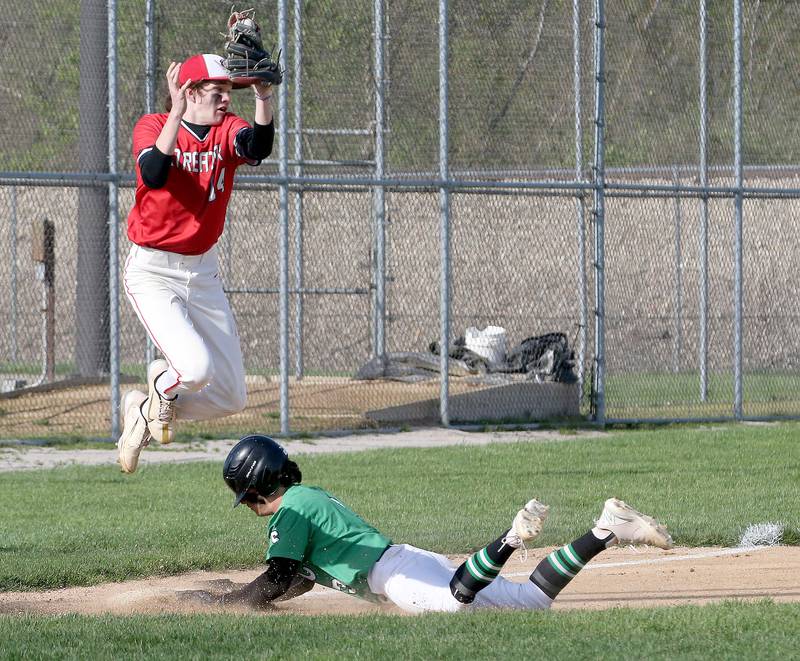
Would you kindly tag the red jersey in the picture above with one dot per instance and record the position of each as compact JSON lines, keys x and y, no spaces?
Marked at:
{"x":187,"y":214}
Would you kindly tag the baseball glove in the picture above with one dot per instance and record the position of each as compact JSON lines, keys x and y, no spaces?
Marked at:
{"x":247,"y":61}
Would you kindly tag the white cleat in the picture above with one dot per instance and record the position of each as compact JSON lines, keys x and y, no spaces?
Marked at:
{"x":527,"y":523}
{"x":135,"y":434}
{"x":160,"y":412}
{"x":632,"y":527}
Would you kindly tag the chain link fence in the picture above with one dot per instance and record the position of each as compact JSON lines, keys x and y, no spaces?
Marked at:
{"x":591,"y":172}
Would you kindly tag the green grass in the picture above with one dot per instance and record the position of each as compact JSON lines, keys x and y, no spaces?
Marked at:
{"x":677,"y":395}
{"x":728,"y":630}
{"x":82,"y":525}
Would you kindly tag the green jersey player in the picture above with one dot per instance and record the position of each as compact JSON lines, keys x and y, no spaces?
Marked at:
{"x":315,"y":538}
{"x":334,"y":546}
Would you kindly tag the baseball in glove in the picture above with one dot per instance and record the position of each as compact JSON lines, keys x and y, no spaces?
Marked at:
{"x":246,"y":59}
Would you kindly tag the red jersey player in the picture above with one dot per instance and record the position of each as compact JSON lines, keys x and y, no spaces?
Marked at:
{"x":185,"y":162}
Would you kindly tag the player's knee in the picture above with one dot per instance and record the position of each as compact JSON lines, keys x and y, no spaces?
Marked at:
{"x":238,"y":401}
{"x":230,"y":400}
{"x":196,"y":376}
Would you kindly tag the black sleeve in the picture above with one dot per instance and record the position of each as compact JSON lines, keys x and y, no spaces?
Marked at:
{"x":255,"y":143}
{"x":272,"y":584}
{"x":154,"y":166}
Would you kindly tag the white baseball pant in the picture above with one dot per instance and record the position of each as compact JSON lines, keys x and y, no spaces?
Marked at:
{"x":180,"y":301}
{"x":418,"y":581}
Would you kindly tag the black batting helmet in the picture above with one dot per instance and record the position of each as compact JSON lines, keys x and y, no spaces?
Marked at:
{"x":255,"y":462}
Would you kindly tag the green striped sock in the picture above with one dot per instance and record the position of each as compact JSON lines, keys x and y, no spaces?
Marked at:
{"x":480,"y":569}
{"x":555,"y":572}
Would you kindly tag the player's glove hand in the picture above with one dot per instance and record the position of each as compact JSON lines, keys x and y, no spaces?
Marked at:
{"x":247,"y":61}
{"x":299,"y":585}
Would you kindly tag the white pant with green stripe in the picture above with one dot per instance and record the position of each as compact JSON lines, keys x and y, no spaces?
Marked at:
{"x":418,"y":581}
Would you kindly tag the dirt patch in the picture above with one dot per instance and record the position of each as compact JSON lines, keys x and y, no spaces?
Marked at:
{"x":316,"y":404}
{"x":620,"y":577}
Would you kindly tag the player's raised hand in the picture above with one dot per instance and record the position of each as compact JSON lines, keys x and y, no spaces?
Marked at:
{"x":177,"y":92}
{"x":262,"y":90}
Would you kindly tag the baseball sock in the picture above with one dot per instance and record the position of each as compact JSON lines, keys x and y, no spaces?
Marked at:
{"x":480,"y":569}
{"x":554,"y":572}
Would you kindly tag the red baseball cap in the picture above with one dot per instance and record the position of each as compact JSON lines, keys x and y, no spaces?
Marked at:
{"x":205,"y":66}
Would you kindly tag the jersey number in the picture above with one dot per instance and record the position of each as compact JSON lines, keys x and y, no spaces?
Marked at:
{"x":219,"y":187}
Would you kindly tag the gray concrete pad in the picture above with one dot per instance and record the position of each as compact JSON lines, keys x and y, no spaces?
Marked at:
{"x":23,"y":457}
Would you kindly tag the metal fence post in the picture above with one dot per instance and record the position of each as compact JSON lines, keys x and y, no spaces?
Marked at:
{"x":598,"y":172}
{"x":283,"y":169}
{"x":113,"y":221}
{"x":737,"y":157}
{"x":379,"y":197}
{"x":297,"y":78}
{"x":149,"y":56}
{"x":444,"y":222}
{"x":703,"y":348}
{"x":150,"y":105}
{"x":580,"y":201}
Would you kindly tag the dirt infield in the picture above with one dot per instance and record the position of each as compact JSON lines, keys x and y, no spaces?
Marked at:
{"x":620,"y":577}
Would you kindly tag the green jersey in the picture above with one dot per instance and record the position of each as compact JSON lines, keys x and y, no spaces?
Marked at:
{"x":331,"y":541}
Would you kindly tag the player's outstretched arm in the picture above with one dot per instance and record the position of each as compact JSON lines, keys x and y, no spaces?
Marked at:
{"x":269,"y":586}
{"x":255,"y":143}
{"x":278,"y":583}
{"x":263,"y":93}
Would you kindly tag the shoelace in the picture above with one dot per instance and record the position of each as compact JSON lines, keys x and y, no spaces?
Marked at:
{"x":524,"y":555}
{"x":147,"y":436}
{"x":166,"y":410}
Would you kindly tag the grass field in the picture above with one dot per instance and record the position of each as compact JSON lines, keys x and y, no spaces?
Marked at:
{"x":726,"y":631}
{"x":677,"y":395}
{"x":84,"y":525}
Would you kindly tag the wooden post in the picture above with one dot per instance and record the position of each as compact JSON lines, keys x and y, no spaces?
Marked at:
{"x":44,"y":252}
